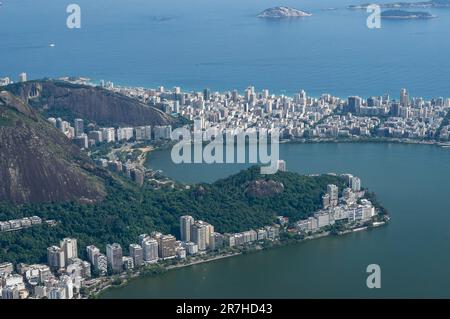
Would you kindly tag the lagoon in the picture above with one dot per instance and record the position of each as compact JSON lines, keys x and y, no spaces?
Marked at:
{"x":413,"y":250}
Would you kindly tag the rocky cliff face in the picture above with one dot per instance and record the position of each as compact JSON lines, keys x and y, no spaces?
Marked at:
{"x":283,"y":12}
{"x":264,"y":188}
{"x":90,"y":103}
{"x":37,"y":162}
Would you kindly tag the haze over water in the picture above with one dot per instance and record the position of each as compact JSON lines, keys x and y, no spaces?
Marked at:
{"x":222,"y":45}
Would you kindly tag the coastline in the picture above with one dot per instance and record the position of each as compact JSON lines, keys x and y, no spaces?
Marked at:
{"x":374,"y":140}
{"x":145,"y":161}
{"x":321,"y":140}
{"x":138,"y":275}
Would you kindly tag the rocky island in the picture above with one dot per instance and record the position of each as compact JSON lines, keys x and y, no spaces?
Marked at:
{"x":405,"y":15}
{"x":283,"y":12}
{"x":400,"y":5}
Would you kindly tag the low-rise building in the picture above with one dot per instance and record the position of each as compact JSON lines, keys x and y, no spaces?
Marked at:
{"x":191,"y":248}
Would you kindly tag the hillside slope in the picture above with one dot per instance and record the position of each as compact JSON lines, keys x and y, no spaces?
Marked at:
{"x":37,"y":162}
{"x":57,"y":98}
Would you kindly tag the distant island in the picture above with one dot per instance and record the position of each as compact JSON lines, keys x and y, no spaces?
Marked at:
{"x":283,"y":12}
{"x":401,"y":5}
{"x":405,"y":15}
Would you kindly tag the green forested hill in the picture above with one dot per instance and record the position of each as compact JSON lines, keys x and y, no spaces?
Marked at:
{"x":241,"y":202}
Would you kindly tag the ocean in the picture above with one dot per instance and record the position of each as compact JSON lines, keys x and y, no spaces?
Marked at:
{"x":222,"y":45}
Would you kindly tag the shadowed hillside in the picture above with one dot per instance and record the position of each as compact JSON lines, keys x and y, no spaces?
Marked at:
{"x":57,"y":98}
{"x":37,"y":162}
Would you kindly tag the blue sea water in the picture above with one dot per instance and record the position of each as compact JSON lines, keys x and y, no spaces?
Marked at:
{"x":221,"y":44}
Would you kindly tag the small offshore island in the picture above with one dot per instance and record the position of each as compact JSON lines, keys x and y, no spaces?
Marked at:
{"x":400,"y":5}
{"x":283,"y":12}
{"x":406,"y":15}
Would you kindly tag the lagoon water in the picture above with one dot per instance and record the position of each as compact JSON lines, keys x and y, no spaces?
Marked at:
{"x":221,"y":44}
{"x":413,"y":251}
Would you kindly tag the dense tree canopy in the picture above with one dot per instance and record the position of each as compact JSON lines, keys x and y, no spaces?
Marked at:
{"x":129,"y":211}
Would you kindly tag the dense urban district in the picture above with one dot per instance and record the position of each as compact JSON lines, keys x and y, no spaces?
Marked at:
{"x":121,"y":219}
{"x":305,"y":117}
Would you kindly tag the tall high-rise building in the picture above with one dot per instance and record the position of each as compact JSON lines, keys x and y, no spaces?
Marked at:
{"x":128,"y":262}
{"x":82,"y":141}
{"x":109,"y":134}
{"x":355,"y":184}
{"x":100,"y":263}
{"x":114,"y":255}
{"x":124,"y":133}
{"x":333,"y":192}
{"x":234,"y":96}
{"x":209,"y":233}
{"x":281,"y":165}
{"x":167,"y":246}
{"x":66,"y":283}
{"x":91,"y":251}
{"x":5,"y":81}
{"x":150,"y":250}
{"x":70,"y":249}
{"x":176,"y":90}
{"x":326,"y":201}
{"x":57,"y":293}
{"x":143,"y":237}
{"x":162,"y":132}
{"x":216,"y":241}
{"x":302,"y":98}
{"x":55,"y":257}
{"x":143,"y":132}
{"x":200,"y":234}
{"x":249,"y":92}
{"x":206,"y":94}
{"x":79,"y":127}
{"x":23,"y":77}
{"x":373,"y":101}
{"x":186,"y":223}
{"x":138,"y":176}
{"x":395,"y":109}
{"x":354,"y":104}
{"x":136,"y":252}
{"x":96,"y":136}
{"x":404,"y":98}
